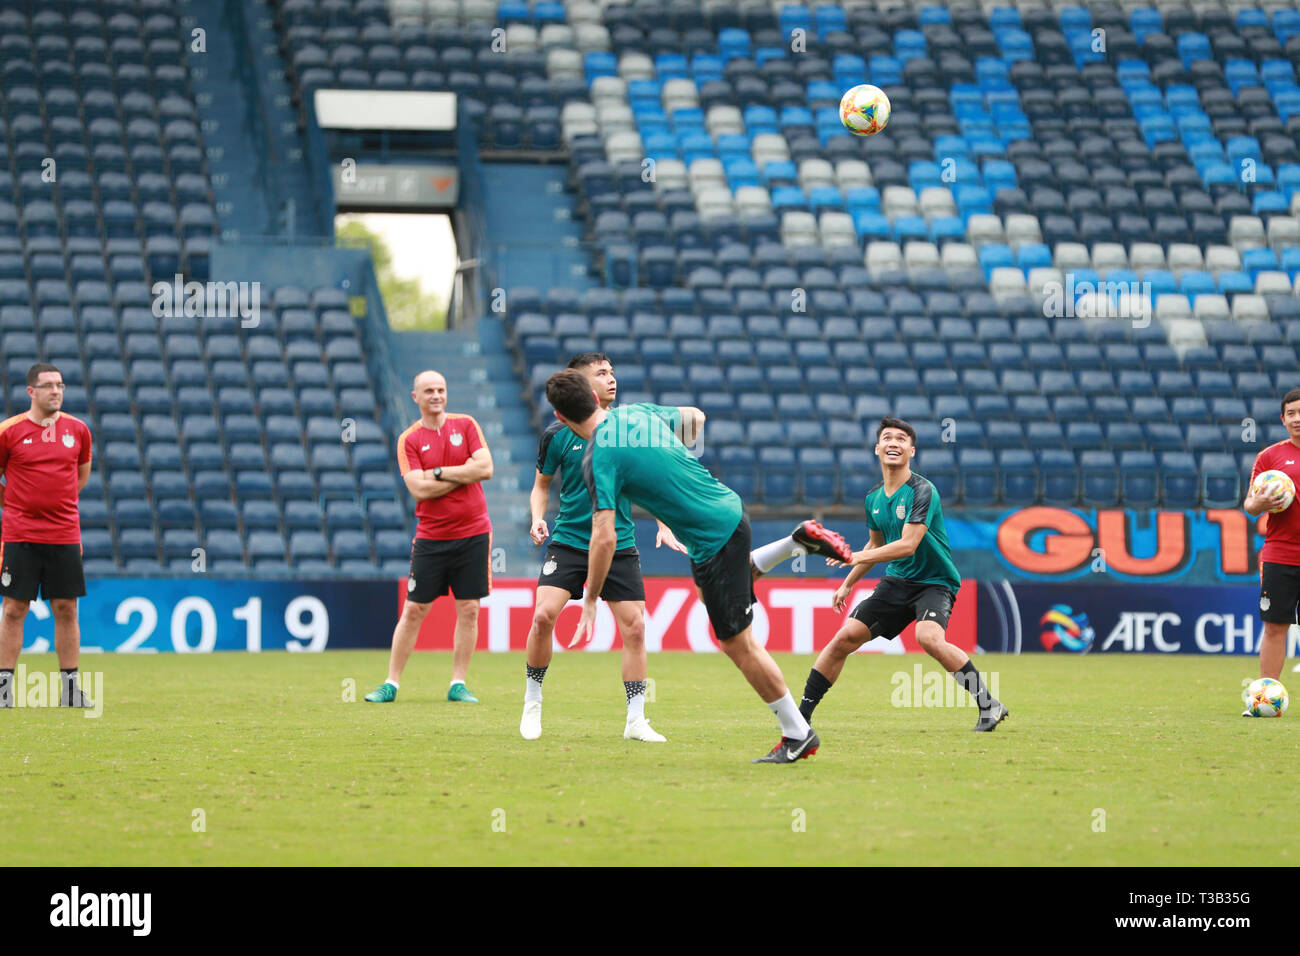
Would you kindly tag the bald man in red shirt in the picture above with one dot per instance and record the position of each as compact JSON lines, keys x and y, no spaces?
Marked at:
{"x":45,"y":462}
{"x":443,"y":459}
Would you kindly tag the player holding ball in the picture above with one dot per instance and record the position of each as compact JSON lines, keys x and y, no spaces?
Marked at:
{"x":1272,"y":490}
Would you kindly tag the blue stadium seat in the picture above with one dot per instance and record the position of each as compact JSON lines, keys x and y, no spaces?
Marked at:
{"x":778,"y":472}
{"x":1060,"y":477}
{"x":1019,"y":477}
{"x":1100,"y":478}
{"x":1220,"y":482}
{"x":217,"y":514}
{"x":1179,"y":480}
{"x":738,"y":470}
{"x":979,"y":479}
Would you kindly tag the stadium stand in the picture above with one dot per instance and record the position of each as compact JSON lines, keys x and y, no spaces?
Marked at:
{"x":980,"y":267}
{"x":976,"y":266}
{"x":204,"y":431}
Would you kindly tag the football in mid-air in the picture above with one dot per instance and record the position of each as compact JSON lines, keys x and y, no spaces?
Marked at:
{"x":1268,"y":482}
{"x":1266,"y":697}
{"x":864,"y":110}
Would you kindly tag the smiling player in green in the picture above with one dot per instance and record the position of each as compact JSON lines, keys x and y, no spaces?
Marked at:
{"x":906,"y":525}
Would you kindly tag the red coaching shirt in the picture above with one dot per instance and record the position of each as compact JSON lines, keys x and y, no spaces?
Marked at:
{"x":461,"y":513}
{"x":1282,"y":530}
{"x":40,"y":464}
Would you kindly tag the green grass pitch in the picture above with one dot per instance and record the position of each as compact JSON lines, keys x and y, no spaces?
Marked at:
{"x":236,"y":759}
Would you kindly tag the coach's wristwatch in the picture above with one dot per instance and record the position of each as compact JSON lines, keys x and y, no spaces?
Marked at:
{"x":437,"y":474}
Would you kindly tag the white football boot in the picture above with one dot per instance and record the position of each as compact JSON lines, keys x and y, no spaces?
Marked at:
{"x":530,"y":725}
{"x":638,"y":728}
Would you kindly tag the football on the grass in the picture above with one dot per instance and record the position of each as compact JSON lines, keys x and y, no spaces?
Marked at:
{"x":1266,"y":697}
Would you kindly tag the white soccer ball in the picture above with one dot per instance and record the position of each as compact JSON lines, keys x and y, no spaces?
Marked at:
{"x":1268,"y":482}
{"x":864,"y":110}
{"x":1266,"y":697}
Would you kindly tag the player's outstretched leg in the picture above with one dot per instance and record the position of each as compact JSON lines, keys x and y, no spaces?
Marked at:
{"x":830,"y":662}
{"x":546,"y":608}
{"x":808,"y":537}
{"x":933,"y":641}
{"x":798,"y":740}
{"x":630,"y":616}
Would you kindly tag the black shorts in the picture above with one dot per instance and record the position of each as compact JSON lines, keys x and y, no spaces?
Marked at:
{"x":896,"y":603}
{"x":461,"y":564}
{"x":566,"y":567}
{"x":727,"y":585}
{"x":53,"y":571}
{"x":1279,"y":592}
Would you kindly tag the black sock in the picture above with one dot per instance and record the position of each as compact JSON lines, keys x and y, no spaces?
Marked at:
{"x":7,"y":685}
{"x":632,"y":688}
{"x":813,"y":692}
{"x":967,"y":676}
{"x":536,"y":673}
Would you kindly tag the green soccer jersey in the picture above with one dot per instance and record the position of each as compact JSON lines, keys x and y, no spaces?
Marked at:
{"x":561,"y":450}
{"x":916,"y":502}
{"x":636,"y":455}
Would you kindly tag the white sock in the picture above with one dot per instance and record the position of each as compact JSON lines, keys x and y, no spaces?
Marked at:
{"x":636,"y":706}
{"x":792,"y":722}
{"x":455,"y":682}
{"x":532,"y":690}
{"x":768,"y":556}
{"x":396,"y":686}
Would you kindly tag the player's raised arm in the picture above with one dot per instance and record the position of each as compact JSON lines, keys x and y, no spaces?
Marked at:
{"x":904,"y":547}
{"x":691,"y":424}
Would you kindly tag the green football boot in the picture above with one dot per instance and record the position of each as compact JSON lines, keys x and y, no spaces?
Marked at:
{"x":460,"y":693}
{"x":385,"y":693}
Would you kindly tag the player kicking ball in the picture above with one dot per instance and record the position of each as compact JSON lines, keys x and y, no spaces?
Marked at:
{"x":632,"y":453}
{"x":565,"y":569}
{"x":906,"y":525}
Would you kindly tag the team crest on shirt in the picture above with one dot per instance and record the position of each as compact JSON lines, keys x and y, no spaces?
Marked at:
{"x":900,"y":511}
{"x":68,"y":441}
{"x":550,"y":566}
{"x":457,"y":438}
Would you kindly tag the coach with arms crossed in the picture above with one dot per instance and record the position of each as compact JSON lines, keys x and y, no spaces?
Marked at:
{"x":45,"y":462}
{"x":443,"y":459}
